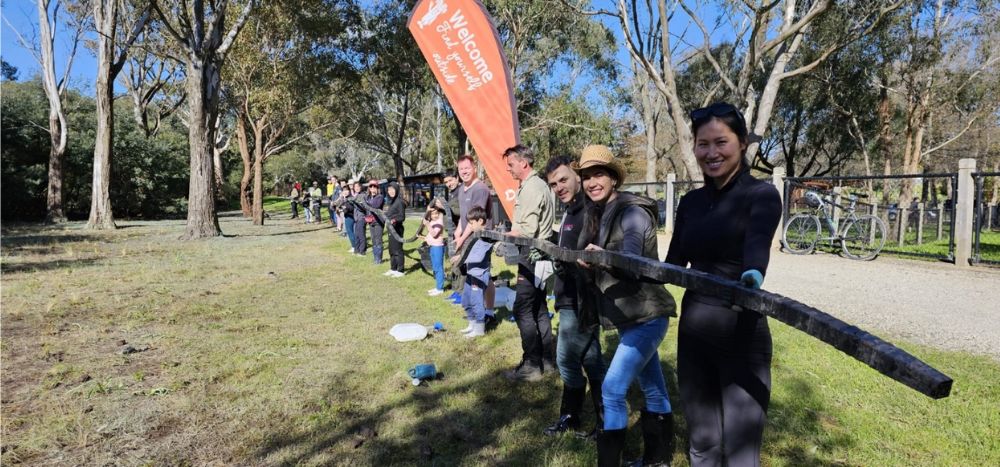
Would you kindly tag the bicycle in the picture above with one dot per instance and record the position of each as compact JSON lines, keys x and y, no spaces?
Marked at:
{"x":861,"y":237}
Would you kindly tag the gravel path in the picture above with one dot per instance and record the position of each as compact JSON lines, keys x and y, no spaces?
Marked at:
{"x":934,"y":304}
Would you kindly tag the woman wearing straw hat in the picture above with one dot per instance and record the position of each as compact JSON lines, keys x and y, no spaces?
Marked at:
{"x":724,"y":228}
{"x":624,"y":222}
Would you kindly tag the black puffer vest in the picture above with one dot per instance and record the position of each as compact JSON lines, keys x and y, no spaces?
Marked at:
{"x":619,"y":298}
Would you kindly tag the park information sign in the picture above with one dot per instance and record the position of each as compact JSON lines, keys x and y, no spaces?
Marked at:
{"x":459,"y":41}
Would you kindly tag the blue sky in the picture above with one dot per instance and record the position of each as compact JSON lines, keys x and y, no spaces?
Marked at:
{"x":23,"y":15}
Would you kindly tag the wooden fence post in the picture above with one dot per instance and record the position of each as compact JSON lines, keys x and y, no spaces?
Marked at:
{"x":901,"y":216}
{"x":778,"y":180}
{"x":920,"y":223}
{"x":965,"y":210}
{"x":940,"y":220}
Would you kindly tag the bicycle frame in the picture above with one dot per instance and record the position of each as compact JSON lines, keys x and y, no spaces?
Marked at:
{"x":836,"y":229}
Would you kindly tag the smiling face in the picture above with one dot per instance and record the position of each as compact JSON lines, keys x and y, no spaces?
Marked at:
{"x":466,"y":171}
{"x":451,"y":182}
{"x":391,"y":191}
{"x":718,"y":151}
{"x":564,"y":182}
{"x":598,"y":184}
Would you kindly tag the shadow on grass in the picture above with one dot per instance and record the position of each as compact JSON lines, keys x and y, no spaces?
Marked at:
{"x":801,"y":430}
{"x":50,"y":238}
{"x":438,"y":436}
{"x":276,"y":234}
{"x":39,"y":266}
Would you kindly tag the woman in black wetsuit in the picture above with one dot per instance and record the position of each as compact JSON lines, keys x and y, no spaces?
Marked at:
{"x":724,"y":357}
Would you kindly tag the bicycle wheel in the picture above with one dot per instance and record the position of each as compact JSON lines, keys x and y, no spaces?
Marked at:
{"x":801,"y":233}
{"x":864,"y":238}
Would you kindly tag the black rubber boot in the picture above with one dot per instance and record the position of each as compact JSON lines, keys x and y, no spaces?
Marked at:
{"x":657,"y":438}
{"x":610,"y":444}
{"x":569,"y":411}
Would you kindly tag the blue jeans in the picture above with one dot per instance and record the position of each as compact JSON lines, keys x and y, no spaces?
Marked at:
{"x":577,"y":350}
{"x":472,"y":298}
{"x":349,"y":227}
{"x":437,"y":262}
{"x":636,"y":356}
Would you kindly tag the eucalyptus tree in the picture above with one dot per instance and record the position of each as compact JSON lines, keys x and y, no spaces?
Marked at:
{"x":946,"y":74}
{"x":280,"y":76}
{"x":55,"y":91}
{"x":112,"y":51}
{"x":153,"y":78}
{"x":766,"y":39}
{"x":203,"y":37}
{"x":557,"y":60}
{"x":393,"y":82}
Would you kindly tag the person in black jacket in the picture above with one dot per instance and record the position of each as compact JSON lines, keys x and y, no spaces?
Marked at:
{"x":395,"y":214}
{"x":578,"y":345}
{"x":360,"y":227}
{"x":374,"y":199}
{"x":624,"y":222}
{"x":724,"y":357}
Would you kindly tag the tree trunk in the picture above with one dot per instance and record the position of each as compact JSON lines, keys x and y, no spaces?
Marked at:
{"x":54,"y":200}
{"x":58,"y":135}
{"x":101,"y":216}
{"x":202,"y":90}
{"x":258,"y":186}
{"x":217,"y":172}
{"x":241,"y":137}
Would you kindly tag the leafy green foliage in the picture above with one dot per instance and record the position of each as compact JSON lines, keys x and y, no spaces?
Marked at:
{"x":149,"y":176}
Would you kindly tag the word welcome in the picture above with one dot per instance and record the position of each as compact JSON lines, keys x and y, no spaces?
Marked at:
{"x":474,"y":70}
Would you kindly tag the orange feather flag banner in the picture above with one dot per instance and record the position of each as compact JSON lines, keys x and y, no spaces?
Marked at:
{"x":462,"y":47}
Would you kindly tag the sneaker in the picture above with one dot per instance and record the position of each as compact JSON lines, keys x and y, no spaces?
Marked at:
{"x":350,"y":250}
{"x":467,"y":329}
{"x":397,"y":274}
{"x":454,"y":295}
{"x":549,"y":365}
{"x":388,"y":273}
{"x":435,"y":292}
{"x":524,"y":372}
{"x":478,"y":330}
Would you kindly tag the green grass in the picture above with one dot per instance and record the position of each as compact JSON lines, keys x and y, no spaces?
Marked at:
{"x":242,"y":366}
{"x":989,"y":246}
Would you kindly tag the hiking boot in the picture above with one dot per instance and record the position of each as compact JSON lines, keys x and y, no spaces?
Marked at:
{"x":524,"y":372}
{"x":549,"y":365}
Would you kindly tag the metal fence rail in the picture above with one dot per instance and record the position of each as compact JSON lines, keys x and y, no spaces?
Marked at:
{"x":922,"y":226}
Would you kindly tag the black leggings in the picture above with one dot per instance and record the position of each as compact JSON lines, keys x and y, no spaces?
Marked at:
{"x":726,"y":386}
{"x":396,"y":248}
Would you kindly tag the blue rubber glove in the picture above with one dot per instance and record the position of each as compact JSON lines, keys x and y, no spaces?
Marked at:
{"x":752,"y":278}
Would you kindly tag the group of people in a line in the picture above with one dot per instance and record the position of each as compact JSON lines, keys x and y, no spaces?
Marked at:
{"x":724,"y":228}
